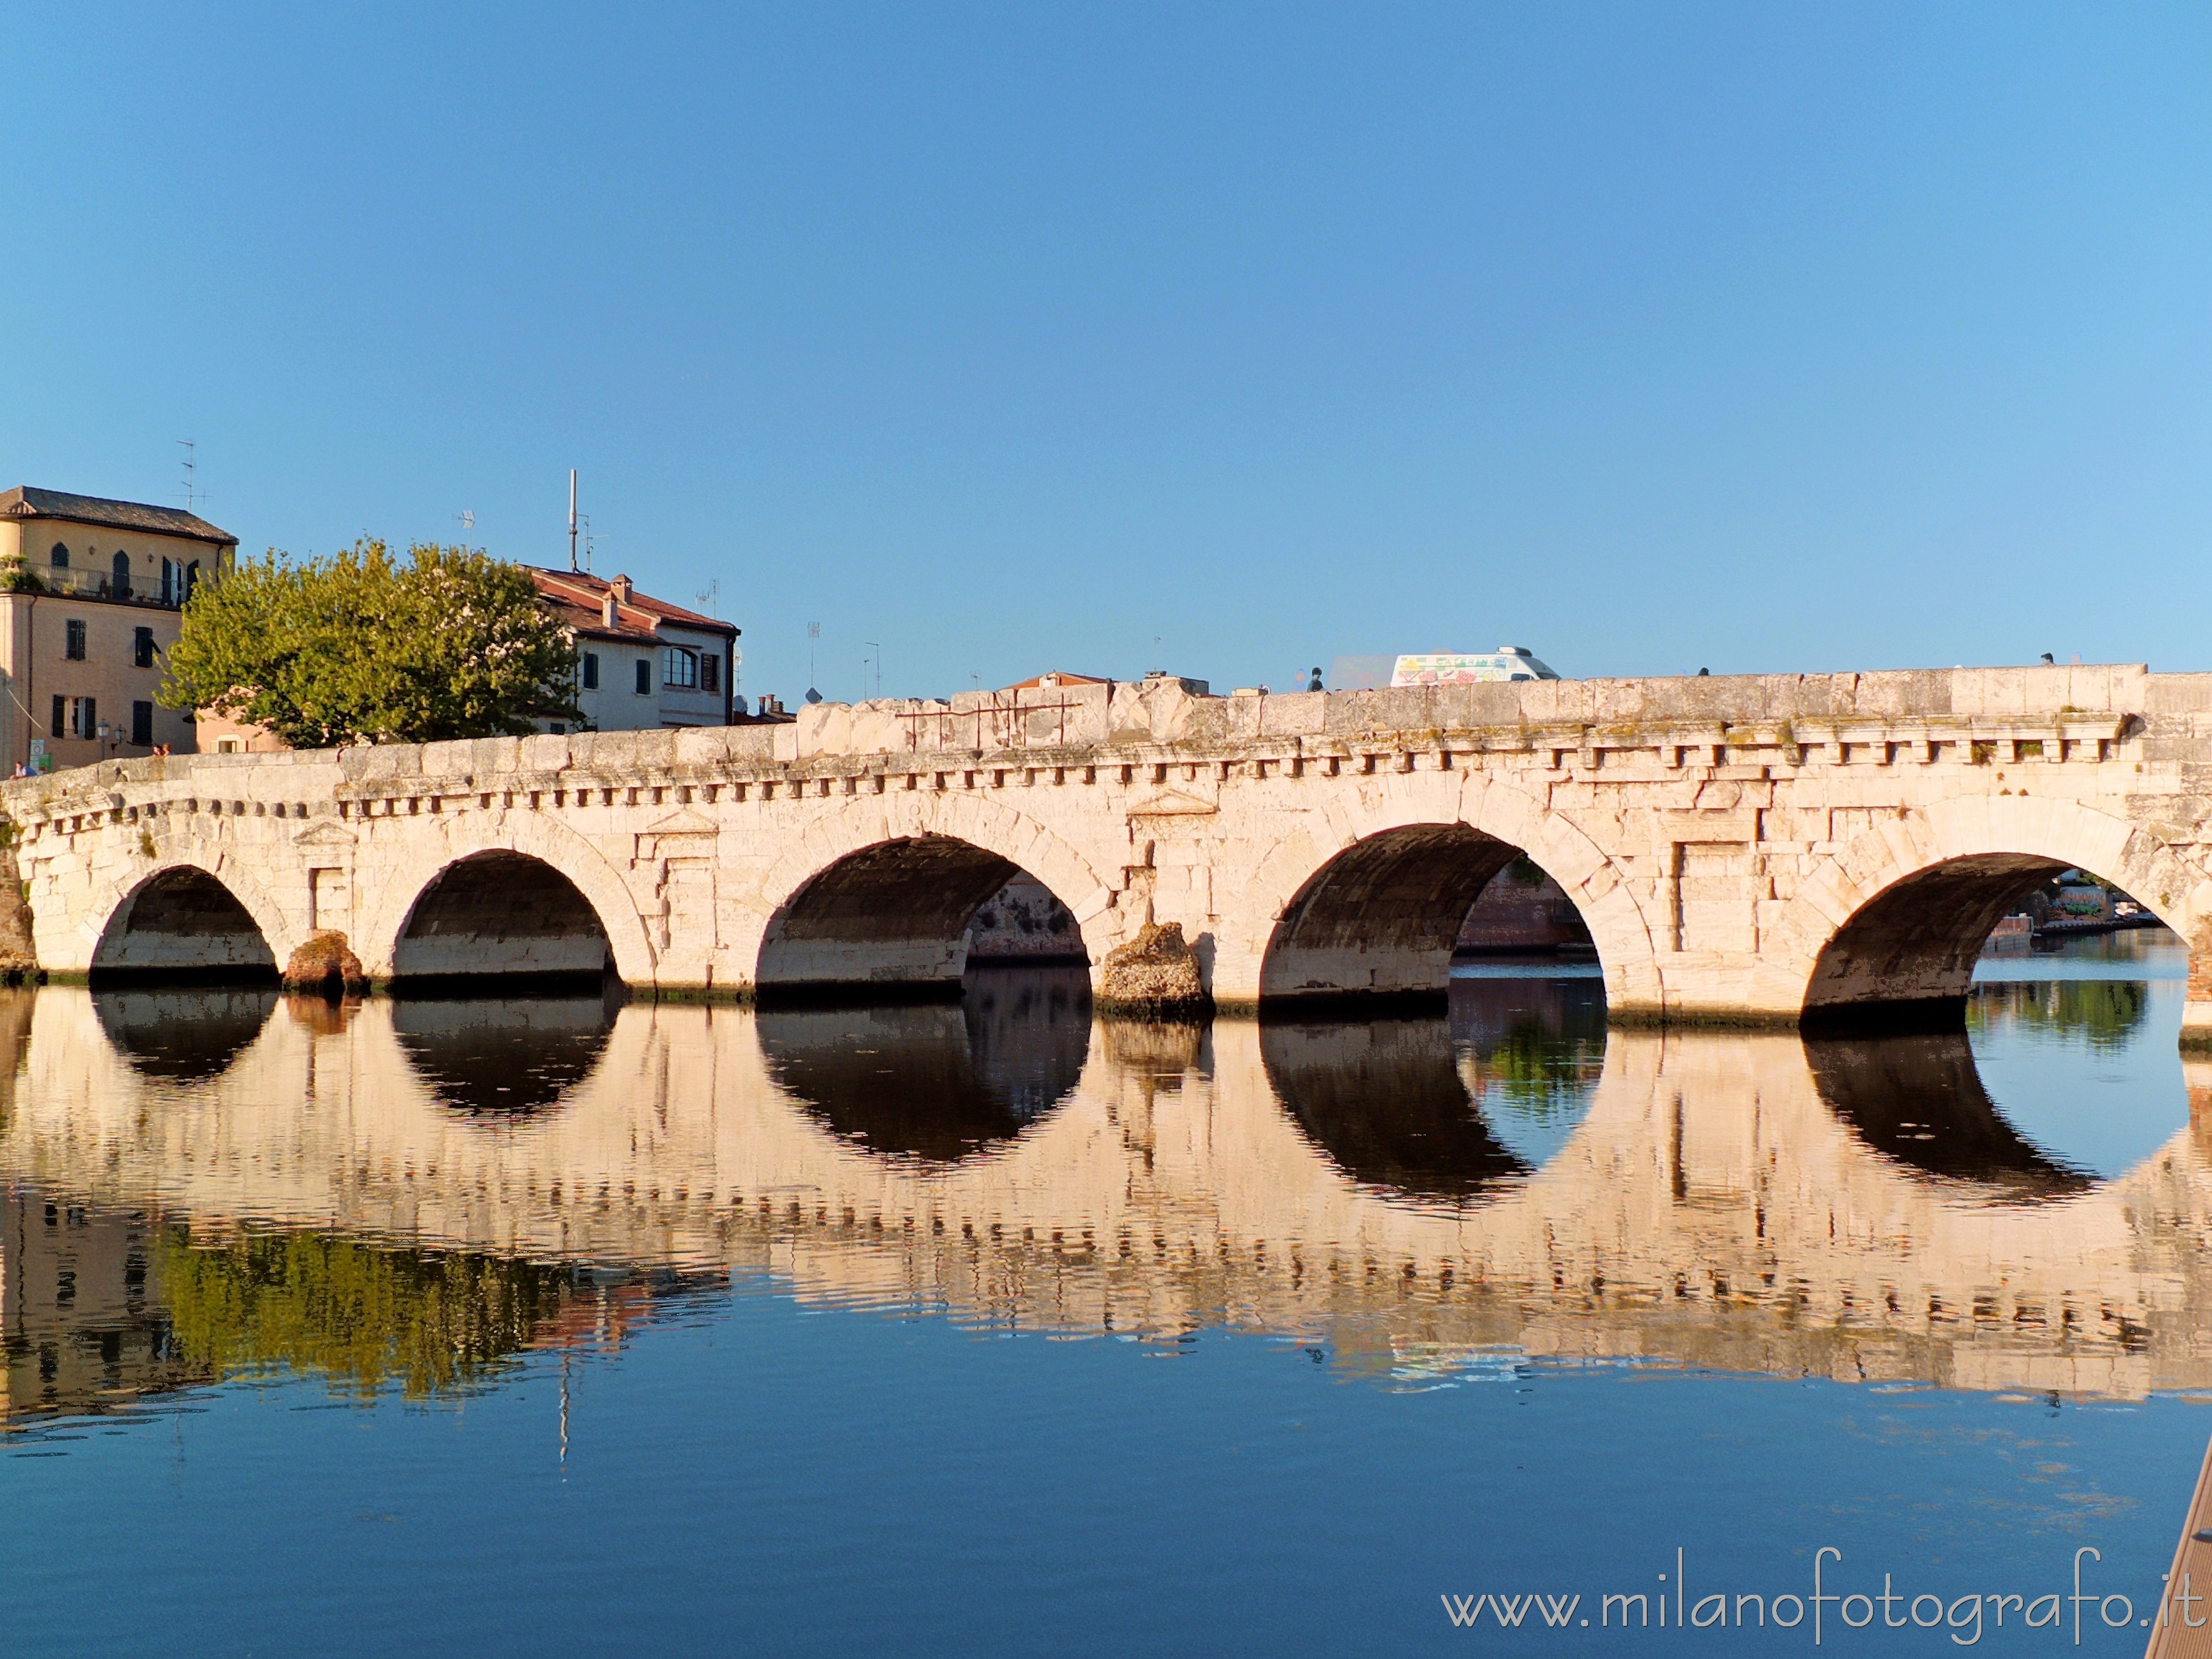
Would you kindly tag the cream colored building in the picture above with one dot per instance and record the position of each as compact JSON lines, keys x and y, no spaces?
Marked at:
{"x":89,"y":595}
{"x":642,"y":663}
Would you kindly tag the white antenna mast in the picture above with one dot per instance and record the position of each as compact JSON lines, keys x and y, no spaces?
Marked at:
{"x":572,"y":520}
{"x":468,"y":518}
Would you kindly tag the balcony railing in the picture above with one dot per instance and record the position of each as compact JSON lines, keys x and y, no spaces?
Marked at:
{"x":90,"y":585}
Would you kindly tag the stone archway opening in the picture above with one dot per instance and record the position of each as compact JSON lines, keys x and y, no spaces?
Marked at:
{"x":1387,"y":916}
{"x":183,"y":924}
{"x":1905,"y":960}
{"x":504,"y":916}
{"x":905,"y":919}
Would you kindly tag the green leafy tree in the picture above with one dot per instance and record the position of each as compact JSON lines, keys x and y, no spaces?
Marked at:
{"x":365,"y":648}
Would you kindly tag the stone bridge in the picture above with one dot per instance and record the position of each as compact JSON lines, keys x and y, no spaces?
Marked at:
{"x":1743,"y":849}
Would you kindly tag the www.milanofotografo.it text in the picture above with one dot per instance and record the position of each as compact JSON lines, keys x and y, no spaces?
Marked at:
{"x":1838,"y":1606}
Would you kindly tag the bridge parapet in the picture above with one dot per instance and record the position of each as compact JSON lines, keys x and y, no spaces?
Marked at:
{"x":1720,"y":836}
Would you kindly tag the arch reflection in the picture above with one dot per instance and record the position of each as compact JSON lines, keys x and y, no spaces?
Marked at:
{"x":937,"y":1082}
{"x":180,"y":1036}
{"x":1919,"y":1101}
{"x":1448,"y":1108}
{"x":503,"y":1056}
{"x":1384,"y":1101}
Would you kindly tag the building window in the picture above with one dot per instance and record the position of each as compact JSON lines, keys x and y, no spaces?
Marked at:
{"x":558,"y":728}
{"x":73,"y":638}
{"x":591,"y":670}
{"x":173,"y":583}
{"x":76,"y":717}
{"x":710,"y":672}
{"x":142,"y":725}
{"x":59,"y":557}
{"x":237,"y":746}
{"x":141,"y":647}
{"x":120,"y":586}
{"x":680,"y":668}
{"x":56,"y":725}
{"x":644,"y":676}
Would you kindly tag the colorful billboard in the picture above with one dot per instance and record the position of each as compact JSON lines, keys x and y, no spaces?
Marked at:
{"x":1468,"y":668}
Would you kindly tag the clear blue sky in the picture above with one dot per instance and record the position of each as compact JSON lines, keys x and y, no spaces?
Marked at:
{"x":1762,"y":337}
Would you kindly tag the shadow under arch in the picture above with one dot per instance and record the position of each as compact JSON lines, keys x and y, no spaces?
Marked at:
{"x":182,"y":923}
{"x":1905,"y":960}
{"x":931,"y":1082}
{"x":182,"y":1035}
{"x":889,"y":922}
{"x":1918,"y":1100}
{"x":1381,"y":918}
{"x":504,"y":1057}
{"x":500,"y":915}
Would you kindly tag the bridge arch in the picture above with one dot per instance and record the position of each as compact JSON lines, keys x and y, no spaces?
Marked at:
{"x":879,"y":896}
{"x":1369,"y":899}
{"x":551,"y":863}
{"x":1889,"y":928}
{"x":188,"y":918}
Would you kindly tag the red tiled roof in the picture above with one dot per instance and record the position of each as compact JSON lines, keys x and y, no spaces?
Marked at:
{"x":1058,"y":677}
{"x":579,"y":601}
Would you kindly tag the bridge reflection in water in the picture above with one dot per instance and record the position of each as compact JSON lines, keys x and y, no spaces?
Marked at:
{"x":407,"y":1195}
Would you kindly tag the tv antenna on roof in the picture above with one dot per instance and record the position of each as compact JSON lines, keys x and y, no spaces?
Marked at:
{"x":711,"y":599}
{"x":813,"y":633}
{"x":468,"y":518}
{"x":572,"y":520}
{"x":191,"y":458}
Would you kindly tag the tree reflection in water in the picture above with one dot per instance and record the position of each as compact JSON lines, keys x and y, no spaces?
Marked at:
{"x":1530,"y":1052}
{"x":503,"y":1056}
{"x":2106,"y":1013}
{"x":937,"y":1082}
{"x":183,"y":1036}
{"x":111,"y":1307}
{"x":360,"y":1316}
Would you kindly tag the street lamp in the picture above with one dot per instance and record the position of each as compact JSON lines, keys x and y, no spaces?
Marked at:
{"x":107,"y":731}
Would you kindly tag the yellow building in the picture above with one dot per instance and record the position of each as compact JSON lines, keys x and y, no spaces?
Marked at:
{"x":89,"y":595}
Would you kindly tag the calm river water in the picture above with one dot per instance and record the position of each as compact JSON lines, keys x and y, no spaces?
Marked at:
{"x":580,"y":1326}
